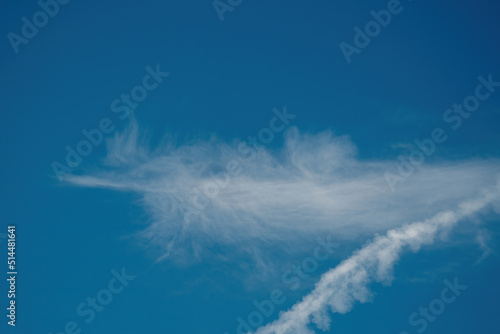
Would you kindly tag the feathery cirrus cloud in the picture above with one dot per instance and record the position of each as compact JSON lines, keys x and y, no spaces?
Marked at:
{"x":210,"y":192}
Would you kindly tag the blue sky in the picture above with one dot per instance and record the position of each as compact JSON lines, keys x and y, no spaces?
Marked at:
{"x":139,"y":205}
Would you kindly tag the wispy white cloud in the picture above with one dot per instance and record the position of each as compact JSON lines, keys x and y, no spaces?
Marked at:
{"x":483,"y":239}
{"x":205,"y":194}
{"x":340,"y":288}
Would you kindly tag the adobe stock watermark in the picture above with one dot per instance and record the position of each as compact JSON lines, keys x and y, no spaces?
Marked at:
{"x":436,"y":307}
{"x":102,"y":299}
{"x":293,"y":278}
{"x":29,"y":29}
{"x":248,"y":151}
{"x":407,"y":164}
{"x":372,"y":29}
{"x":121,"y":106}
{"x":222,"y":6}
